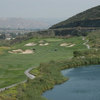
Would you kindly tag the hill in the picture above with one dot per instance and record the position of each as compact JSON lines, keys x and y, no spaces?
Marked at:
{"x":22,"y":23}
{"x":78,"y":25}
{"x":88,"y":18}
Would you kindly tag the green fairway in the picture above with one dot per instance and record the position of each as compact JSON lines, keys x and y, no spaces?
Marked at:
{"x":12,"y":66}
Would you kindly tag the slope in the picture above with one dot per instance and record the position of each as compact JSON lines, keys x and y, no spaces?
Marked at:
{"x":88,"y":18}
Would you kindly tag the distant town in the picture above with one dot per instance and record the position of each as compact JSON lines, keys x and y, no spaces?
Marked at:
{"x":8,"y":34}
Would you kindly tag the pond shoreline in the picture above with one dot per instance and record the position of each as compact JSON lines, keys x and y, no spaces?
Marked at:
{"x":76,"y":66}
{"x":79,"y":84}
{"x":49,"y":75}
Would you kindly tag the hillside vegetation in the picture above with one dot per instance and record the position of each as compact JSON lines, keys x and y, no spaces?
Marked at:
{"x":88,"y":18}
{"x":94,"y":39}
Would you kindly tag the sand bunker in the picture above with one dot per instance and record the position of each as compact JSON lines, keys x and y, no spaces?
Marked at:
{"x":20,"y":51}
{"x":71,"y":45}
{"x":30,"y":44}
{"x":28,"y":51}
{"x":16,"y":51}
{"x":67,"y":45}
{"x":63,"y":44}
{"x":41,"y":41}
{"x":45,"y":44}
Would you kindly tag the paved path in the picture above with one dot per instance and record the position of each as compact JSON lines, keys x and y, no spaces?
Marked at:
{"x":87,"y":45}
{"x":30,"y":76}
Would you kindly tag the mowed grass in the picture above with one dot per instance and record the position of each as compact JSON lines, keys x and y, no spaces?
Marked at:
{"x":12,"y":66}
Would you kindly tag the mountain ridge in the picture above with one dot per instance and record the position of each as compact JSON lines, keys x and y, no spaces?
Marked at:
{"x":90,"y":16}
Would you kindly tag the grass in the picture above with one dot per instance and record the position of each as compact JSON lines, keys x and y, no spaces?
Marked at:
{"x":3,"y":49}
{"x":49,"y":74}
{"x":12,"y":66}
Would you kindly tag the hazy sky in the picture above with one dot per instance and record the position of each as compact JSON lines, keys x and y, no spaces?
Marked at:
{"x":44,"y":8}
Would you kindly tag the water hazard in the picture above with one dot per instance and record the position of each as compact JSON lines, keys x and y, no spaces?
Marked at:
{"x":83,"y":84}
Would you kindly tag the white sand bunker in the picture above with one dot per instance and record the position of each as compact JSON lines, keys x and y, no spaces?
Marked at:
{"x":67,"y":45}
{"x":28,"y":51}
{"x":44,"y":44}
{"x":16,"y":51}
{"x":20,"y":51}
{"x":30,"y":44}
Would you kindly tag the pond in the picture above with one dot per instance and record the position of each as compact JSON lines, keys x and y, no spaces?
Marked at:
{"x":83,"y":84}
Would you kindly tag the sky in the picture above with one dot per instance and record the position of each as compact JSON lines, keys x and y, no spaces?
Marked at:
{"x":44,"y":8}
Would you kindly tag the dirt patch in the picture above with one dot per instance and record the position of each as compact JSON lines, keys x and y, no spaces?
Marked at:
{"x":2,"y":50}
{"x":67,"y":45}
{"x":44,"y":44}
{"x":20,"y":51}
{"x":30,"y":44}
{"x":4,"y":47}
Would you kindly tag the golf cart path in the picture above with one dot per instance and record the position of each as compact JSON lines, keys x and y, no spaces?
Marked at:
{"x":30,"y":76}
{"x":87,"y":45}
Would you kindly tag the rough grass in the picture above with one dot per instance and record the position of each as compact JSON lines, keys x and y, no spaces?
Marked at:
{"x":3,"y":50}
